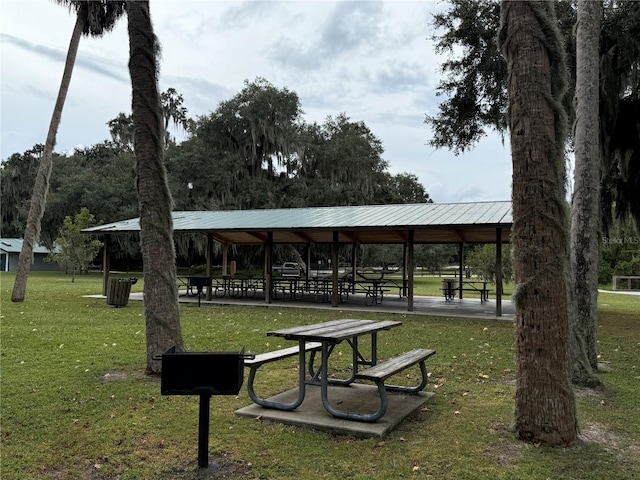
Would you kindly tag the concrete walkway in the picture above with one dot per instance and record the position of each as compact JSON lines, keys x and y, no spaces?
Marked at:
{"x":621,"y":292}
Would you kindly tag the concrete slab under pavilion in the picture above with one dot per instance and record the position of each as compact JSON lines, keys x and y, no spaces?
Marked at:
{"x":436,"y":306}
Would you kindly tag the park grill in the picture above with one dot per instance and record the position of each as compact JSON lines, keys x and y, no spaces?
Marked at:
{"x":204,"y":374}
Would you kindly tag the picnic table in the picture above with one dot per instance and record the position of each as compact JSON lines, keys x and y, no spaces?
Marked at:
{"x":197,"y":283}
{"x":373,"y":284}
{"x":323,"y":338}
{"x":288,"y":285}
{"x":479,"y":286}
{"x":450,"y":286}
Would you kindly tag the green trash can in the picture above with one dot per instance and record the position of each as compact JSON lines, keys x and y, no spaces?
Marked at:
{"x":118,"y":291}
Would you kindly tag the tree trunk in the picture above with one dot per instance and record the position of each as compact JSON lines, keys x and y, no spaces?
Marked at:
{"x":162,"y":315}
{"x":41,"y":186}
{"x":545,"y":410}
{"x":585,"y":213}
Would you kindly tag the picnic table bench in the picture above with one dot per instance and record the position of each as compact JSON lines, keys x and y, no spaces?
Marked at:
{"x":380,"y":372}
{"x":261,"y":359}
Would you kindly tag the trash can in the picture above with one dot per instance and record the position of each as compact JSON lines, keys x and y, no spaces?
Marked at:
{"x":449,"y":286}
{"x":118,"y":291}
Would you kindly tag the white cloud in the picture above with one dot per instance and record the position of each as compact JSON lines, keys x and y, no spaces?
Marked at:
{"x":370,"y":60}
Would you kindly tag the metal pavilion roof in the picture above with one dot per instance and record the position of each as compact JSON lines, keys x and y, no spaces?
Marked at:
{"x":14,"y":245}
{"x":431,"y":223}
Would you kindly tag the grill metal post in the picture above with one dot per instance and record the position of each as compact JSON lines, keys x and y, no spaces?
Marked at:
{"x":203,"y":431}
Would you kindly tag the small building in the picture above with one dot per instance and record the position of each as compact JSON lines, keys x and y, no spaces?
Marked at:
{"x":10,"y":249}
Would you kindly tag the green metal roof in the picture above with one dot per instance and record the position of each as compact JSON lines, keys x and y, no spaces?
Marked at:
{"x":431,"y":223}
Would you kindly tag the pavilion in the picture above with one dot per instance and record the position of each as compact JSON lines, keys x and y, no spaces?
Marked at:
{"x":406,"y":224}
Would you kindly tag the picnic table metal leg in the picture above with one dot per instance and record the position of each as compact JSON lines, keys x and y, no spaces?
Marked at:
{"x":324,"y":394}
{"x":313,"y":373}
{"x":302,"y":381}
{"x":356,"y":359}
{"x":419,"y":388}
{"x":374,"y":348}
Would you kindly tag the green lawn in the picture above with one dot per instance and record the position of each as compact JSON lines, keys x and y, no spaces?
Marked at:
{"x":75,"y":404}
{"x":431,"y":285}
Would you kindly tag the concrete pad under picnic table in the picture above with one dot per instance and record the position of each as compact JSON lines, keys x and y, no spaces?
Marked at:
{"x":354,"y":398}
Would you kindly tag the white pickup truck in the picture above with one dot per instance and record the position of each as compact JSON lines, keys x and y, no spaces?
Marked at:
{"x":287,"y":269}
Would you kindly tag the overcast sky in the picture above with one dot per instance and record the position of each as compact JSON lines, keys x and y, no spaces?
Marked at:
{"x":371,"y":60}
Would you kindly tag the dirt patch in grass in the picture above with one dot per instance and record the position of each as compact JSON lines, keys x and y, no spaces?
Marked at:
{"x":598,"y":393}
{"x":617,"y":445}
{"x":506,"y":450}
{"x":220,"y":466}
{"x":610,"y":441}
{"x":113,"y":376}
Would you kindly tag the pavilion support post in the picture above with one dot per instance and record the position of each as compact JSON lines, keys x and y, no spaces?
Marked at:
{"x":210,"y":265}
{"x":225,"y":259}
{"x":308,"y":272}
{"x":106,"y":264}
{"x":354,"y":266}
{"x":335,"y":246}
{"x":460,"y":268}
{"x":410,"y":269}
{"x":498,"y":272}
{"x":268,"y":272}
{"x":405,"y":267}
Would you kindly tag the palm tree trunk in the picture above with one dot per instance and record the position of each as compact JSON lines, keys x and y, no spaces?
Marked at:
{"x":41,"y":186}
{"x":162,"y":315}
{"x":585,"y":213}
{"x":545,"y":410}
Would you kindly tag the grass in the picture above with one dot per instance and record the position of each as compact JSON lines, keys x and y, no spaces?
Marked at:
{"x":432,"y":285}
{"x":74,"y":403}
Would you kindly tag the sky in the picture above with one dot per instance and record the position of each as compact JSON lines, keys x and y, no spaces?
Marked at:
{"x":372,"y":60}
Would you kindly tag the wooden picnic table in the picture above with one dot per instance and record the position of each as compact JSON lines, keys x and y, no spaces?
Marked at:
{"x":479,"y":286}
{"x":451,"y":285}
{"x":324,"y":337}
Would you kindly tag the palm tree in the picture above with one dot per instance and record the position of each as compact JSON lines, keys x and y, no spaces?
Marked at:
{"x":545,"y":410}
{"x":585,"y":212}
{"x":162,"y":315}
{"x":92,"y":18}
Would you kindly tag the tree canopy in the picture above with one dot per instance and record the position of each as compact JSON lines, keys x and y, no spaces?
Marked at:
{"x":252,"y":151}
{"x":475,"y":87}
